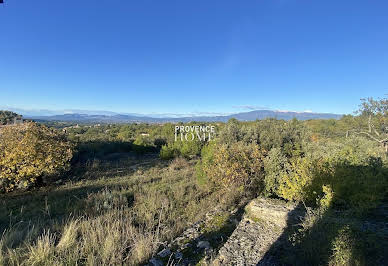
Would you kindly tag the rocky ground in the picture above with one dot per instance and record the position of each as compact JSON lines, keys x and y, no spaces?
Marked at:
{"x":260,"y":229}
{"x":253,"y":234}
{"x":239,"y":237}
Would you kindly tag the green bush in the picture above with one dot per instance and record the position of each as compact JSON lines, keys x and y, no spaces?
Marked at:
{"x":202,"y":179}
{"x":143,"y":145}
{"x":234,"y":165}
{"x":360,"y":187}
{"x":187,"y":149}
{"x":358,"y":179}
{"x":167,"y":152}
{"x":276,"y":165}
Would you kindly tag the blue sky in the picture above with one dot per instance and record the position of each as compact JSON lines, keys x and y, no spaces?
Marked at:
{"x":193,"y":56}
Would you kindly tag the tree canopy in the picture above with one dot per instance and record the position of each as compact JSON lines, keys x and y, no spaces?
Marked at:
{"x":7,"y":117}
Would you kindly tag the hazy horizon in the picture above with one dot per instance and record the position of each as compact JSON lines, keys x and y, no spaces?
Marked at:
{"x":47,"y":112}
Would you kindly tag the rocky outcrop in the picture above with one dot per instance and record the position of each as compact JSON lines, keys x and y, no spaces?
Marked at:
{"x":274,"y":211}
{"x":248,"y":243}
{"x":253,"y":231}
{"x":199,"y":241}
{"x":262,"y":226}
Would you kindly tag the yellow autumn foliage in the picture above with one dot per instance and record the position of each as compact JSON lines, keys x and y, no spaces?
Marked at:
{"x":293,"y":184}
{"x":29,"y":152}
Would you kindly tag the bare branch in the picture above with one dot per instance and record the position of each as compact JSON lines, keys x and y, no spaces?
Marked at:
{"x":369,"y":123}
{"x":369,"y":135}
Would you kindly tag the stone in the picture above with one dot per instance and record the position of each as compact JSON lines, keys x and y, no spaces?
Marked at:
{"x":258,"y":231}
{"x":164,"y":253}
{"x":187,"y":245}
{"x":178,"y":255}
{"x":274,"y":211}
{"x":203,"y":245}
{"x":155,"y":262}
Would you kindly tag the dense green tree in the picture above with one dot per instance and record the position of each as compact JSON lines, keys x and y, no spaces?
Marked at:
{"x":7,"y":117}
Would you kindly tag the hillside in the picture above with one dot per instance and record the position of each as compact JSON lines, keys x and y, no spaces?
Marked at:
{"x":126,"y":118}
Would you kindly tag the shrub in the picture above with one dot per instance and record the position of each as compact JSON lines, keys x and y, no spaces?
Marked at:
{"x":143,"y":145}
{"x":159,"y":142}
{"x":345,"y":249}
{"x":290,"y":136}
{"x":275,"y":165}
{"x":207,"y":156}
{"x":237,"y":164}
{"x":231,"y":133}
{"x":357,"y":179}
{"x":360,"y":187}
{"x":202,"y":179}
{"x":30,"y":152}
{"x":187,"y":149}
{"x":168,"y":152}
{"x":296,"y":183}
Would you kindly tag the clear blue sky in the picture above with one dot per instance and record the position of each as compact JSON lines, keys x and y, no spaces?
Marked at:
{"x":193,"y":56}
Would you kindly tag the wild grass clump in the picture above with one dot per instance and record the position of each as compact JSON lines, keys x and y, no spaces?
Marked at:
{"x":109,"y":239}
{"x":178,"y":163}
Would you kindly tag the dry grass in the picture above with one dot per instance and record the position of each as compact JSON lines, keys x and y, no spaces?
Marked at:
{"x":178,"y":163}
{"x":103,"y":221}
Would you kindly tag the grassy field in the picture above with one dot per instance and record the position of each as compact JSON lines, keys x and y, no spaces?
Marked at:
{"x":110,"y":212}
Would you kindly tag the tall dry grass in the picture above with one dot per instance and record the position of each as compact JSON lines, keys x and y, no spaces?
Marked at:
{"x":105,"y":221}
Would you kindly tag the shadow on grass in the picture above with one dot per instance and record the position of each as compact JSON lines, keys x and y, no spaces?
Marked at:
{"x":48,"y":208}
{"x":112,"y":162}
{"x":332,"y":240}
{"x":51,"y":205}
{"x":339,"y":235}
{"x":104,"y":149}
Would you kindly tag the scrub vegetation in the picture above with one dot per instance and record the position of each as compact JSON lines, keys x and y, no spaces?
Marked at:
{"x":117,"y":194}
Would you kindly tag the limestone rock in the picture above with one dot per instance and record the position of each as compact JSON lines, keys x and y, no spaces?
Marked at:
{"x":203,"y":245}
{"x":155,"y":262}
{"x":257,"y":232}
{"x":164,"y":253}
{"x":274,"y":211}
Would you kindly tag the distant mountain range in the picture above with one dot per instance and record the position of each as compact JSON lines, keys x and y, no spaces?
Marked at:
{"x":110,"y":117}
